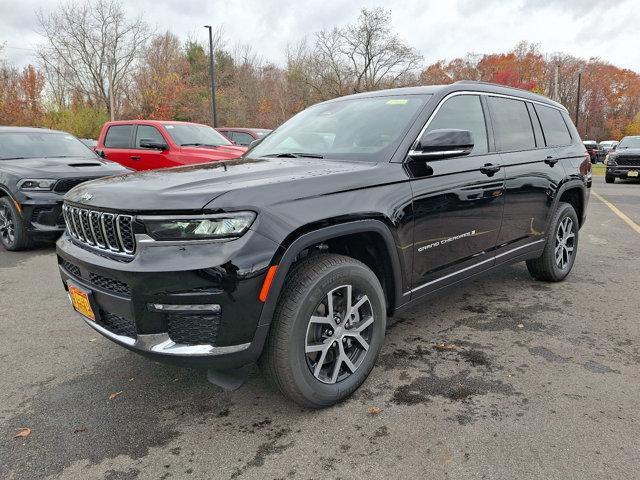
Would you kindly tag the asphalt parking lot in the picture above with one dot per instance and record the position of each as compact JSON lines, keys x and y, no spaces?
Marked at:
{"x":543,"y":381}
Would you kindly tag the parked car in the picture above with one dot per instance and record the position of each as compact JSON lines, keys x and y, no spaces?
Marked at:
{"x":37,"y":167}
{"x":151,"y":144}
{"x":605,"y":147}
{"x":354,"y":209}
{"x":90,"y":142}
{"x":624,"y":161}
{"x":243,"y":136}
{"x":592,"y":149}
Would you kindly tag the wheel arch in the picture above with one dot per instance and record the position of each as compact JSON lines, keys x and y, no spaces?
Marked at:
{"x":286,"y":258}
{"x":575,"y":193}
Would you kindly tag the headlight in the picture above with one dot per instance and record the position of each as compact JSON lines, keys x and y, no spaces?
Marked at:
{"x":609,"y":160}
{"x":198,"y":227}
{"x":36,"y":184}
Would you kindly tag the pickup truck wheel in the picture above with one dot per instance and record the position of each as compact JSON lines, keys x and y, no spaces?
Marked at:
{"x":13,"y":234}
{"x":609,"y":179}
{"x":559,"y":253}
{"x":327,"y":330}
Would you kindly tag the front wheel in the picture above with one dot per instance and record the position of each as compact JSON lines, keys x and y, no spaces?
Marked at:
{"x":609,"y":179}
{"x":559,"y":253}
{"x":13,"y":234}
{"x":327,"y":330}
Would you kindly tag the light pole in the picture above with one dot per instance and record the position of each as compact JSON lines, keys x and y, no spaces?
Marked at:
{"x":212,"y":74}
{"x":578,"y":99}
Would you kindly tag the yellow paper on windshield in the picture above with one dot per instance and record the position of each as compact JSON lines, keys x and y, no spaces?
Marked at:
{"x":397,"y":101}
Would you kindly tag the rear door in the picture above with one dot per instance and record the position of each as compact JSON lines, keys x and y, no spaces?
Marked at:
{"x":532,"y":173}
{"x":117,"y":144}
{"x":457,"y":201}
{"x":148,"y":158}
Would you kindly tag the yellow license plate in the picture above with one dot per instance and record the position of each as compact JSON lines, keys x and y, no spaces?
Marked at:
{"x":632,"y":173}
{"x":80,"y":301}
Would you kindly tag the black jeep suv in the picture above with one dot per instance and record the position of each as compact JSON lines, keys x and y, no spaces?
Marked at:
{"x":354,"y":209}
{"x":37,"y":167}
{"x":624,"y":160}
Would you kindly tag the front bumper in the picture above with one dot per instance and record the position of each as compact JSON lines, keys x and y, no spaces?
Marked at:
{"x":42,"y":215}
{"x":620,"y":171}
{"x":124,"y":296}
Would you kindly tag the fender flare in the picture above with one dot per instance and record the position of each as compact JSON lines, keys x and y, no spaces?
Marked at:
{"x":316,"y":236}
{"x":569,"y":185}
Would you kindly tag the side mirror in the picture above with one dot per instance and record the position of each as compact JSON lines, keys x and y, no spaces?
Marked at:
{"x":153,"y":144}
{"x":614,"y":147}
{"x":255,"y":142}
{"x":101,"y":153}
{"x":444,"y":143}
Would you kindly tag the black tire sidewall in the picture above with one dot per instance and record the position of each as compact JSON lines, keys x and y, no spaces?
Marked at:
{"x":362,"y":279}
{"x":564,"y":210}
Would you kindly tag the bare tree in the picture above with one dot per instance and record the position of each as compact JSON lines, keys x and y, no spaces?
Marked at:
{"x":363,"y":56}
{"x":92,"y":48}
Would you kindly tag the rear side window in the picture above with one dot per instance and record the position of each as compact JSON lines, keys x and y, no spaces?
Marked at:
{"x":555,"y":130}
{"x":147,"y":132}
{"x":511,"y":124}
{"x":463,"y":112}
{"x":242,"y":138}
{"x":118,"y":136}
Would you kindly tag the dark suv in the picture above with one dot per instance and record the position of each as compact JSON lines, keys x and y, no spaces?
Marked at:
{"x":37,"y":167}
{"x":351,"y":211}
{"x":624,"y":160}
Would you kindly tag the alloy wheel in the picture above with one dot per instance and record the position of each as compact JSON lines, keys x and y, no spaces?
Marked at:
{"x":7,"y":226}
{"x":339,"y":334}
{"x":565,"y":242}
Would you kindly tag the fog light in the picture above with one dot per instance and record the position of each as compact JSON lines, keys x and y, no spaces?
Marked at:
{"x":203,"y":307}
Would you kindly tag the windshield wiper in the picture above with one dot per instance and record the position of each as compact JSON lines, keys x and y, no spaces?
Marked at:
{"x":294,"y":155}
{"x":198,"y":145}
{"x":13,"y":158}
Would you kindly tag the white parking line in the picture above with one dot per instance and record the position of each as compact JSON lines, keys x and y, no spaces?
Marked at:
{"x":618,"y":212}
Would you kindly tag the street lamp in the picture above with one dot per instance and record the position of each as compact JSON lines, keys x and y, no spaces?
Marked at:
{"x":212,"y":75}
{"x":578,"y":97}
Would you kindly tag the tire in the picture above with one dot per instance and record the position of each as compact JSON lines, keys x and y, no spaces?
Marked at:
{"x":286,"y":362}
{"x":554,"y":265}
{"x":13,"y":234}
{"x":609,"y":179}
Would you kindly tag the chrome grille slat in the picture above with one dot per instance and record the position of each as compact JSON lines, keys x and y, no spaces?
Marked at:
{"x":104,"y":231}
{"x":86,"y":228}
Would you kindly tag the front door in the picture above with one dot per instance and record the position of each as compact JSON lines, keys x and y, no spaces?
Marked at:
{"x":458,"y":202}
{"x":149,"y":158}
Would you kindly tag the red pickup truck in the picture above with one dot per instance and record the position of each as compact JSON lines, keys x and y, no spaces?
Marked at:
{"x":150,"y":144}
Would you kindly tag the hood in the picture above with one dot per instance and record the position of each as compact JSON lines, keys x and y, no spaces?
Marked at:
{"x":193,"y":187}
{"x":61,"y":167}
{"x":626,"y":151}
{"x":223,"y":152}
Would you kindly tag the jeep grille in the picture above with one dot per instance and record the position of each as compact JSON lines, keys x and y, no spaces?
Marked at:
{"x":109,"y":232}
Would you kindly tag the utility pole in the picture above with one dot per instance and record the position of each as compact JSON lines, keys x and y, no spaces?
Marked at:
{"x":212,"y":74}
{"x":578,"y":100}
{"x":110,"y":68}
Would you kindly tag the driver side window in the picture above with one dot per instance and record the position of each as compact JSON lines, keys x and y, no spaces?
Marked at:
{"x":463,"y":112}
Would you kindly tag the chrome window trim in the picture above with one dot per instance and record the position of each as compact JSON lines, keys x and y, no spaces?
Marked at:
{"x":485,"y":94}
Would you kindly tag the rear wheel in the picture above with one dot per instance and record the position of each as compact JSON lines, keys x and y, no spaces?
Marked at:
{"x":559,"y":254}
{"x":13,"y":234}
{"x":327,"y":330}
{"x":609,"y":179}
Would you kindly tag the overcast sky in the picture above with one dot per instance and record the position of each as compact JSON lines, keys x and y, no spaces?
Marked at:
{"x":438,"y":29}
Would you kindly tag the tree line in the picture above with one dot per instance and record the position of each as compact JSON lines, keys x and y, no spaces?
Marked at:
{"x":95,"y":63}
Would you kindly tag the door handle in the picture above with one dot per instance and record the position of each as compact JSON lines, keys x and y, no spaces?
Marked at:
{"x":551,"y":161}
{"x":489,"y":169}
{"x":135,"y":157}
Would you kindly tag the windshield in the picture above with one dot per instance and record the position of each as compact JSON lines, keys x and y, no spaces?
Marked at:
{"x":629,"y":142}
{"x":17,"y":145}
{"x":185,"y":134}
{"x":369,"y":128}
